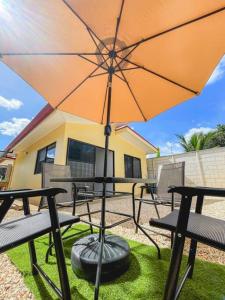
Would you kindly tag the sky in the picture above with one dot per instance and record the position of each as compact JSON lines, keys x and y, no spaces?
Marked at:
{"x":19,"y":103}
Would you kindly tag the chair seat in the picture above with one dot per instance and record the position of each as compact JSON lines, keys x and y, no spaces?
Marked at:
{"x":204,"y":229}
{"x":19,"y":231}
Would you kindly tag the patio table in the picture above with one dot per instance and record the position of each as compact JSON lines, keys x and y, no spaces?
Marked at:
{"x":118,"y":180}
{"x":85,"y":253}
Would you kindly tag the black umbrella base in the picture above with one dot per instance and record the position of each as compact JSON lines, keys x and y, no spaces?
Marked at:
{"x":84,"y":257}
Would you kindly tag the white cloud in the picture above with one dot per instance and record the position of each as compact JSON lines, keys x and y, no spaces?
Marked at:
{"x":197,"y":130}
{"x":170,"y":148}
{"x":13,"y":127}
{"x":218,"y":73}
{"x":10,"y":103}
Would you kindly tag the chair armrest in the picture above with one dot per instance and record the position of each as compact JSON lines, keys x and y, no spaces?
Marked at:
{"x":195,"y":191}
{"x":8,"y":198}
{"x":16,"y":190}
{"x":17,"y":194}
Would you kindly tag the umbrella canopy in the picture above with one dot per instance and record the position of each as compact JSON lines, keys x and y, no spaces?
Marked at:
{"x":159,"y":53}
{"x":113,"y":61}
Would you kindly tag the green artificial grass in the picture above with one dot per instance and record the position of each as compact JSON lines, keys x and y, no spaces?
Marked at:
{"x":145,"y":278}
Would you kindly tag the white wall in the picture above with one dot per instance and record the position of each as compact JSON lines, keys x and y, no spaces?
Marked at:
{"x":205,"y":167}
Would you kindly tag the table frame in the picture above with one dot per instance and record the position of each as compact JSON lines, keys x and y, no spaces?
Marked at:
{"x":103,"y":227}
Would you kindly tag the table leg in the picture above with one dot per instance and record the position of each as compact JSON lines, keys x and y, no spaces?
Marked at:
{"x":138,"y":226}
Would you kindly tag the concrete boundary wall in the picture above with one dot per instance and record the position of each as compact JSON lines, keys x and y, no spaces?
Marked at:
{"x":204,"y":168}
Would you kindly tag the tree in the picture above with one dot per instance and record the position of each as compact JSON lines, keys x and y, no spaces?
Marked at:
{"x":200,"y":141}
{"x":217,"y":139}
{"x":158,"y":152}
{"x":197,"y":141}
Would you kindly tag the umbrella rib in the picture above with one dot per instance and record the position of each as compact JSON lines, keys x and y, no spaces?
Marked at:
{"x":163,"y":77}
{"x":79,"y":85}
{"x":122,"y":59}
{"x":135,"y":99}
{"x":86,"y":25}
{"x":119,"y":77}
{"x":96,"y":75}
{"x":118,"y":24}
{"x":94,"y":62}
{"x":173,"y":28}
{"x":99,"y":74}
{"x":128,"y":69}
{"x":47,"y":53}
{"x":97,"y":46}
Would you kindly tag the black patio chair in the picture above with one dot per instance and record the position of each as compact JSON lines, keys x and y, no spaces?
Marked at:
{"x":171,"y":174}
{"x":70,"y":199}
{"x":197,"y":227}
{"x":26,"y":229}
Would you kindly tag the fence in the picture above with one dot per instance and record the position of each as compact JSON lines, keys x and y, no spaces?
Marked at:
{"x":205,"y":167}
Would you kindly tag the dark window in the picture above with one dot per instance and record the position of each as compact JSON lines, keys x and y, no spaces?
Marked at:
{"x":87,"y":160}
{"x":46,"y":154}
{"x":81,"y":158}
{"x":132,"y":166}
{"x":3,"y":171}
{"x":81,"y":152}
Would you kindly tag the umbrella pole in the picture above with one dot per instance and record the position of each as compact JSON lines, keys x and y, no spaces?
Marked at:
{"x":107,"y":134}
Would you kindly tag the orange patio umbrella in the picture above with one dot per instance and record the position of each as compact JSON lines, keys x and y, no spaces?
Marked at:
{"x":113,"y":61}
{"x":159,"y":53}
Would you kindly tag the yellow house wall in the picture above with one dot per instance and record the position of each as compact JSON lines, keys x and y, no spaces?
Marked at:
{"x":23,"y":174}
{"x":24,"y":177}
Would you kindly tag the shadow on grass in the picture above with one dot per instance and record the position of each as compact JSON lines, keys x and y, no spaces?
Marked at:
{"x":44,"y":293}
{"x":145,"y":278}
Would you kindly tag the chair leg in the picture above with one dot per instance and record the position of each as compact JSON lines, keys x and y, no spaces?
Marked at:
{"x":33,"y":257}
{"x":171,"y":239}
{"x":157,"y":211}
{"x":49,"y":243}
{"x":138,"y":215}
{"x":63,"y":276}
{"x":74,"y":208}
{"x":60,"y":258}
{"x":89,"y":217}
{"x":52,"y":244}
{"x":175,"y":262}
{"x":172,"y":233}
{"x":191,"y":257}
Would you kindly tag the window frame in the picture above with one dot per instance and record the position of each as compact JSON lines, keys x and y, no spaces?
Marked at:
{"x":46,"y":148}
{"x":95,"y":146}
{"x":132,"y":157}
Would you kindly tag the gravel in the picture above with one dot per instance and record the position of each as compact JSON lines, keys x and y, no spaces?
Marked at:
{"x":12,"y":286}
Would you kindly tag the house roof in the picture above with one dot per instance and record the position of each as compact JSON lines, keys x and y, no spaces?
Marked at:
{"x":6,"y":158}
{"x":137,"y":136}
{"x":48,"y":110}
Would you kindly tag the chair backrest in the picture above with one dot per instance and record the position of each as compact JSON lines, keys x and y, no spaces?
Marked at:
{"x":53,"y":171}
{"x":81,"y":169}
{"x":171,"y":174}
